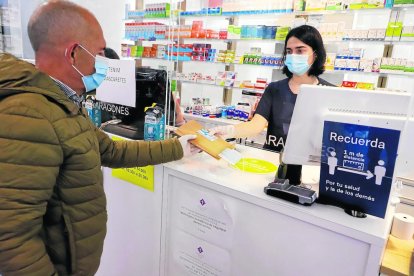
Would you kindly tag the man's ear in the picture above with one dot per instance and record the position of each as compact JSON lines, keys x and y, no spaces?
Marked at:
{"x":70,"y":53}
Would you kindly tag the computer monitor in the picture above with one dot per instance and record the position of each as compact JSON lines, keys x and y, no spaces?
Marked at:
{"x":316,"y":104}
{"x":360,"y":138}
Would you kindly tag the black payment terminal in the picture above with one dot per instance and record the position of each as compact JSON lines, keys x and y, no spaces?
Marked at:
{"x":297,"y":194}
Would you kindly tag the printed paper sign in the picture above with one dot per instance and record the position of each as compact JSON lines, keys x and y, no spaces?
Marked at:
{"x":140,"y":176}
{"x":119,"y":85}
{"x":203,"y":215}
{"x":357,"y":166}
{"x":192,"y":256}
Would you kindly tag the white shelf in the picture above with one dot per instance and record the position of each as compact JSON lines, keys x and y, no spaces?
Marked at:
{"x":287,"y":12}
{"x":379,"y":74}
{"x":326,"y":42}
{"x":220,"y":86}
{"x":205,"y":62}
{"x":218,"y":121}
{"x":335,"y":72}
{"x":275,"y":13}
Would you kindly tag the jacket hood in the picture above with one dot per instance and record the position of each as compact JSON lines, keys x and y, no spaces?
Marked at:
{"x":18,"y":76}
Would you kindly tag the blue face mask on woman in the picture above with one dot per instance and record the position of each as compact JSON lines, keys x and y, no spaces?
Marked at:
{"x":91,"y":82}
{"x":297,"y":64}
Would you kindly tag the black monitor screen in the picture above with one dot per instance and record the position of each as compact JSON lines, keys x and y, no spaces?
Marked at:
{"x":151,"y":87}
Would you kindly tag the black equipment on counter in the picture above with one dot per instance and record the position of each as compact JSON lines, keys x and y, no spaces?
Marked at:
{"x":151,"y":87}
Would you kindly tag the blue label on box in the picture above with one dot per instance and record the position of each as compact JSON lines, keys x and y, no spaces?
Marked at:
{"x":357,"y":167}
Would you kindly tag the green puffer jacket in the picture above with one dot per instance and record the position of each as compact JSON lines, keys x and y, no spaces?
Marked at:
{"x":52,"y":203}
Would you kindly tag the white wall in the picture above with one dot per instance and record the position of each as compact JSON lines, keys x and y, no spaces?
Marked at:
{"x":27,"y":8}
{"x":110,"y":14}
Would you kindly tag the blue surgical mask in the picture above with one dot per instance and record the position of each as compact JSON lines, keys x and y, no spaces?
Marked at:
{"x":91,"y":82}
{"x":297,"y":64}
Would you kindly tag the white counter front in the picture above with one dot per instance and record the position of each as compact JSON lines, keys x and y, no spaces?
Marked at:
{"x":220,"y":211}
{"x":207,"y":218}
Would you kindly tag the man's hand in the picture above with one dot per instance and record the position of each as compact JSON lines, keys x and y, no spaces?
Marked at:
{"x":188,"y":148}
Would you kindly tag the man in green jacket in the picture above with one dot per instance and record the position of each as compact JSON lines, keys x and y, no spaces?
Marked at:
{"x":52,"y":203}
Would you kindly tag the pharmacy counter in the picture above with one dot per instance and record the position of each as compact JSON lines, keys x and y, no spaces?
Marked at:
{"x":218,"y":221}
{"x":204,"y":217}
{"x":132,"y":243}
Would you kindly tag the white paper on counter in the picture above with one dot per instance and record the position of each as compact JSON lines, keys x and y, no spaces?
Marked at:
{"x":203,"y":215}
{"x":119,"y":85}
{"x":192,"y":256}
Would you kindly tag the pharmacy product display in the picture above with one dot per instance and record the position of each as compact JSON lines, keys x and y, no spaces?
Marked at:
{"x":359,"y":54}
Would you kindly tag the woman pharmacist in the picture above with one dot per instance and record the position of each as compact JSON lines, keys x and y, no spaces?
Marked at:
{"x":304,"y":57}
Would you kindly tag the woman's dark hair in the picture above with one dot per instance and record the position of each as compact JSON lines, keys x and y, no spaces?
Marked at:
{"x":110,"y":53}
{"x":311,"y":37}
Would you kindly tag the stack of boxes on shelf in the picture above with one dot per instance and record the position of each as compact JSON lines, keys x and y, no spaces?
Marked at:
{"x":145,"y":31}
{"x":243,"y":111}
{"x":367,"y":86}
{"x":348,"y":59}
{"x":161,"y":10}
{"x":225,"y":79}
{"x":358,"y":85}
{"x":402,"y":3}
{"x":257,"y":32}
{"x":396,"y":31}
{"x":226,"y":56}
{"x":351,"y":59}
{"x":202,"y":12}
{"x":180,"y":52}
{"x":152,"y":31}
{"x":135,"y":15}
{"x":197,"y":31}
{"x":319,"y":5}
{"x":256,"y":57}
{"x":241,"y":7}
{"x":366,"y":34}
{"x":336,"y":31}
{"x":154,"y":51}
{"x":201,"y":52}
{"x":264,"y":6}
{"x":396,"y":65}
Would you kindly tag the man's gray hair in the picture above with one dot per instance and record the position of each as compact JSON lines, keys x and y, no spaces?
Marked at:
{"x":57,"y":22}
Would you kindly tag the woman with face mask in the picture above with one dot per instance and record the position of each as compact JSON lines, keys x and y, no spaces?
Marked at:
{"x":304,"y":58}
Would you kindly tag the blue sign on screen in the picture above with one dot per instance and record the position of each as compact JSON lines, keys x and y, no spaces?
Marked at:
{"x":357,"y":166}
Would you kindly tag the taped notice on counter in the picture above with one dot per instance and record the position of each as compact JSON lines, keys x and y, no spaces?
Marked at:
{"x":193,"y":256}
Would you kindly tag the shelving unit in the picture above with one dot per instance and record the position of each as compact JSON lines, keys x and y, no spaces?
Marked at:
{"x":10,"y":28}
{"x":353,"y":19}
{"x":333,"y":72}
{"x":326,"y":42}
